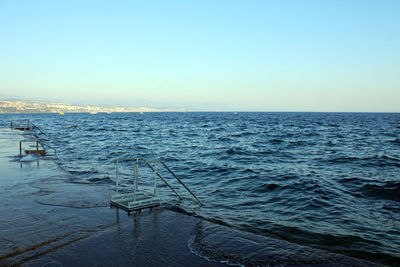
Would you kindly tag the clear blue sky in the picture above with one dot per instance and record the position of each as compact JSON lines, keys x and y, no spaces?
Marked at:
{"x":297,"y":55}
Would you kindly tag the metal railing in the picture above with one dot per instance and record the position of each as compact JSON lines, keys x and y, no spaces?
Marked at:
{"x":27,"y":125}
{"x":37,"y":151}
{"x":33,"y":126}
{"x":152,"y":166}
{"x":21,"y":125}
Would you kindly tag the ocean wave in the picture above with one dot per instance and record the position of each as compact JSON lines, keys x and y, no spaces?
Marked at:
{"x":389,"y":190}
{"x":395,"y":141}
{"x":275,"y":141}
{"x":226,"y":245}
{"x":237,"y":151}
{"x":373,"y":161}
{"x":267,"y":187}
{"x":352,"y":180}
{"x":83,"y":172}
{"x":101,"y":180}
{"x":359,"y":187}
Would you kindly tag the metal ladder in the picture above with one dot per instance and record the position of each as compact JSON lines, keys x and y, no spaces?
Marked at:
{"x":22,"y":125}
{"x":136,"y":199}
{"x":28,"y":127}
{"x":25,"y":125}
{"x":41,"y":151}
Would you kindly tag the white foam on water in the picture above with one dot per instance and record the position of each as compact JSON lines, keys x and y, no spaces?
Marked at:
{"x":30,"y":157}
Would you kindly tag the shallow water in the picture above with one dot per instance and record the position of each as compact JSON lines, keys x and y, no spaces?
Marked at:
{"x":327,"y":180}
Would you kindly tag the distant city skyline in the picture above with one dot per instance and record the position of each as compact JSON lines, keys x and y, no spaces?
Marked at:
{"x":340,"y":56}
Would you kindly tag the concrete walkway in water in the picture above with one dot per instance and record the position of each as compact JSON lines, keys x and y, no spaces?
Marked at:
{"x":47,"y":221}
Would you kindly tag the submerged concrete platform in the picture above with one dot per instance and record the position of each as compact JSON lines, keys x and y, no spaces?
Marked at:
{"x":45,"y":218}
{"x":48,"y":221}
{"x":129,"y":202}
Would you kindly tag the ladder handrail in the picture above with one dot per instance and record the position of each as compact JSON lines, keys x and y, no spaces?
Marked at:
{"x":179,"y":180}
{"x":44,"y":144}
{"x":162,"y":178}
{"x":40,"y":130}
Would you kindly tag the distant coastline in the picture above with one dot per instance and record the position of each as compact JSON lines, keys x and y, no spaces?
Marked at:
{"x":22,"y":106}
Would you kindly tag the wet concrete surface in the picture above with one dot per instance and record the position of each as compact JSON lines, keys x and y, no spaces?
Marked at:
{"x":45,"y":220}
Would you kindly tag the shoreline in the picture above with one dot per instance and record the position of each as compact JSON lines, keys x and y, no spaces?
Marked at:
{"x":50,"y":221}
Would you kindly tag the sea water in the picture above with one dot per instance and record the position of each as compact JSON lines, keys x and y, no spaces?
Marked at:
{"x":325,"y":180}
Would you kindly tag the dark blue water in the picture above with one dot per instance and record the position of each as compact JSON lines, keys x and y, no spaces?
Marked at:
{"x":326,"y":180}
